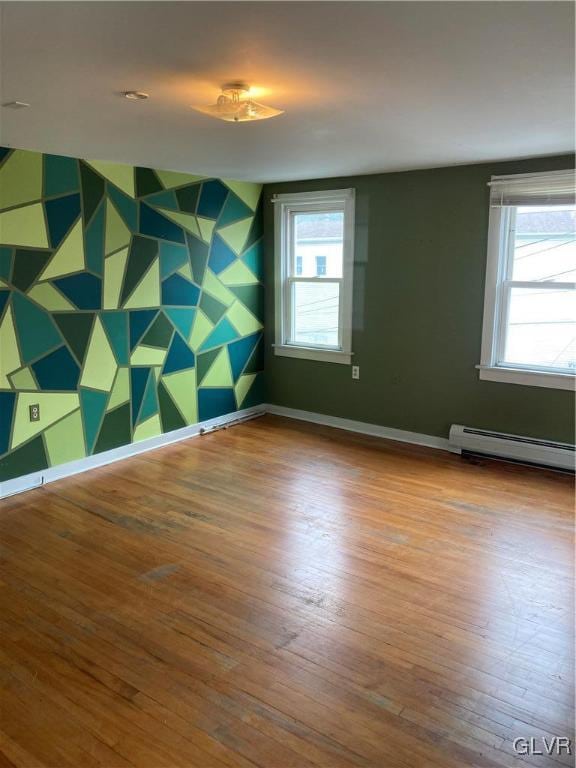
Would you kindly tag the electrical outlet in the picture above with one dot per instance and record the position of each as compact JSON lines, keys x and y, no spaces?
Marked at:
{"x":355,"y":371}
{"x":34,"y":412}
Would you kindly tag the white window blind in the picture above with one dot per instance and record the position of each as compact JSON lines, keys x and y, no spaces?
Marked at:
{"x":554,"y":188}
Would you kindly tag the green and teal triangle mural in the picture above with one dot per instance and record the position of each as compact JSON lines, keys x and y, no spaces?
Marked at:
{"x":119,"y":304}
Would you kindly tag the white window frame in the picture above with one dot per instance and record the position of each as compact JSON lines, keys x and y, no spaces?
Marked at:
{"x":308,"y":202}
{"x":498,"y":288}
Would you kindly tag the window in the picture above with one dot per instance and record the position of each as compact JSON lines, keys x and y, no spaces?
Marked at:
{"x":529,"y":334}
{"x":314,"y":266}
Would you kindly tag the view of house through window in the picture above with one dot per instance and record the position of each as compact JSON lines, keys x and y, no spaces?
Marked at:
{"x":318,"y":250}
{"x":540,"y":327}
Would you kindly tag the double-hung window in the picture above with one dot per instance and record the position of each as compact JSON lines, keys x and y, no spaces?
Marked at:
{"x":529,"y":332}
{"x":314,"y":269}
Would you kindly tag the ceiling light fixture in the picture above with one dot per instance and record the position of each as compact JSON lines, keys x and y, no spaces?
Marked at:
{"x":235,"y":106}
{"x":135,"y":95}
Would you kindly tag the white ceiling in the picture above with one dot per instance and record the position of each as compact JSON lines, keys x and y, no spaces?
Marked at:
{"x":367,"y":87}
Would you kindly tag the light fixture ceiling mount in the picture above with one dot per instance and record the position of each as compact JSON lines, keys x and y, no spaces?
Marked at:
{"x":234,"y":105}
{"x":136,"y":95}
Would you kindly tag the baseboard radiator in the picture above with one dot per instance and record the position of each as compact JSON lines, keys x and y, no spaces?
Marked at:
{"x":530,"y":450}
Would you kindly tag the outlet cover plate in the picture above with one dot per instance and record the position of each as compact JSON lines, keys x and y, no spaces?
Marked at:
{"x":34,"y":411}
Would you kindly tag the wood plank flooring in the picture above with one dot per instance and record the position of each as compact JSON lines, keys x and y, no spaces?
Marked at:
{"x":283,"y":595}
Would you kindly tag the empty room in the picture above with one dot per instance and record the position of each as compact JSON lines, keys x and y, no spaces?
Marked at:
{"x":287,"y":384}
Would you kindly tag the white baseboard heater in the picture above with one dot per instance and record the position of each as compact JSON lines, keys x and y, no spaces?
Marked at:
{"x":525,"y":449}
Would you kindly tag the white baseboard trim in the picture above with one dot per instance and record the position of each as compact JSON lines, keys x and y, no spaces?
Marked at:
{"x":37,"y":479}
{"x":375,"y":430}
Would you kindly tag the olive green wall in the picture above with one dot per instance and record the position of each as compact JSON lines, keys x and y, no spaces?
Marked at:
{"x":418,"y":300}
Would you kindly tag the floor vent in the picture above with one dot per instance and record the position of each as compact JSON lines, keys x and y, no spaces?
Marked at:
{"x":527,"y":449}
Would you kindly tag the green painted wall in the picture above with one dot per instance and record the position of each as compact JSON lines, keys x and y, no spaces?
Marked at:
{"x":130,"y":305}
{"x":418,"y":300}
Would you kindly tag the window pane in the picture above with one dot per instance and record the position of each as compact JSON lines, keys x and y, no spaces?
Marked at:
{"x":316,"y":310}
{"x":318,"y":240}
{"x":542,"y":328}
{"x":545,"y":244}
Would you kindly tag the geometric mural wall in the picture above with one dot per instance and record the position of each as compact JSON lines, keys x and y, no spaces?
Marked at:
{"x":131,"y":304}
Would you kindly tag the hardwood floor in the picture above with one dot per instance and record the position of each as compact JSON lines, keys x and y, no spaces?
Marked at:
{"x":284,"y":595}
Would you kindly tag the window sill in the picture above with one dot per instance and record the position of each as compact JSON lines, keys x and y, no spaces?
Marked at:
{"x":313,"y":353}
{"x":528,"y":378}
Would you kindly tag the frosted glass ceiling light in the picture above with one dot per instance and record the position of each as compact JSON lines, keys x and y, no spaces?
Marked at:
{"x":235,"y":106}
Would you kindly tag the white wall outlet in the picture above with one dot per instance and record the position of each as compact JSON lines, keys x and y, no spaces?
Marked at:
{"x":355,"y":371}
